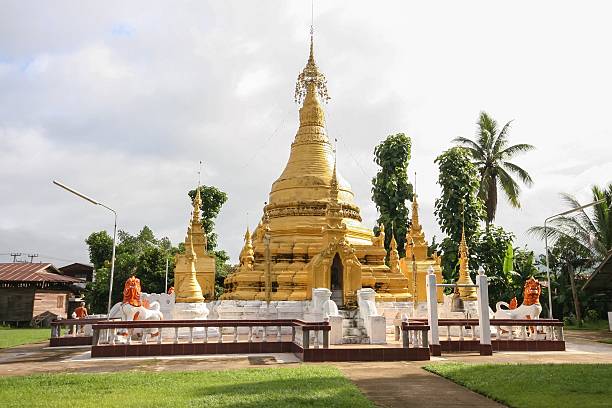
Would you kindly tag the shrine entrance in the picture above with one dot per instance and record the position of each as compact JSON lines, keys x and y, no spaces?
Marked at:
{"x":337,"y":287}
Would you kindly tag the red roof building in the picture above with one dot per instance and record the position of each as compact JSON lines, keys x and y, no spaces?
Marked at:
{"x":31,"y":290}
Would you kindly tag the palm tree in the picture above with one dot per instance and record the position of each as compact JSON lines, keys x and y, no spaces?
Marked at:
{"x":590,"y":229}
{"x":586,"y":233}
{"x":491,"y":154}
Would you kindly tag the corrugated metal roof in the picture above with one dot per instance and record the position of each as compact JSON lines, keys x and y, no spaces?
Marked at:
{"x":33,"y":272}
{"x":601,"y":279}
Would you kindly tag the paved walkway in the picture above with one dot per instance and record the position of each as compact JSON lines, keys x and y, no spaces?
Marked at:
{"x":406,"y":384}
{"x":388,"y":384}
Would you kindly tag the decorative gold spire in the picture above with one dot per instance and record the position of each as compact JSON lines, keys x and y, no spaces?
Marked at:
{"x":333,"y":188}
{"x":311,"y":79}
{"x":187,"y":288}
{"x":247,"y":255}
{"x":197,"y":205}
{"x":468,"y":293}
{"x":415,"y":237}
{"x":394,"y":259}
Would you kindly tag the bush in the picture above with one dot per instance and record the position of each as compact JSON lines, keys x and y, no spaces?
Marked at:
{"x":592,"y":315}
{"x":569,"y":320}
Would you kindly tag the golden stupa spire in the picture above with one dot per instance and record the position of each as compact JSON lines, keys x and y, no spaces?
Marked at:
{"x":311,"y":79}
{"x":468,"y":293}
{"x":394,"y":259}
{"x":415,"y":237}
{"x":187,"y":288}
{"x":333,"y":188}
{"x":197,"y":206}
{"x":247,"y":255}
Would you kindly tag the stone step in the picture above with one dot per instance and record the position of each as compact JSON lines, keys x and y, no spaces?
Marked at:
{"x":355,"y":340}
{"x":349,"y":314}
{"x":352,"y":322}
{"x":354,"y":332}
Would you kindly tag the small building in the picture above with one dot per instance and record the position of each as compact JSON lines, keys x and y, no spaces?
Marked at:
{"x":600,"y":282}
{"x":33,"y":292}
{"x":79,"y":270}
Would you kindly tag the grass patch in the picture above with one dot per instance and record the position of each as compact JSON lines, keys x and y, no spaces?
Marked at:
{"x":596,"y":325}
{"x":534,"y":385}
{"x":606,"y":341}
{"x":303,"y":386}
{"x":10,"y":336}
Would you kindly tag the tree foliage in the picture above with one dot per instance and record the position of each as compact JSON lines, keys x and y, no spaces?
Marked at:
{"x":591,"y":228}
{"x":489,"y":252}
{"x":100,"y":248}
{"x":391,"y":189}
{"x":458,"y":205}
{"x":579,"y":241}
{"x":142,"y":255}
{"x":491,"y":153}
{"x":212,"y":201}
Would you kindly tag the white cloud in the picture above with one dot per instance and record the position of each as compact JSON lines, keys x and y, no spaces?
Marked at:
{"x":122,"y":100}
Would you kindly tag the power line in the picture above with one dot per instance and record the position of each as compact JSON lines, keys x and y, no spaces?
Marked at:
{"x":265,"y":143}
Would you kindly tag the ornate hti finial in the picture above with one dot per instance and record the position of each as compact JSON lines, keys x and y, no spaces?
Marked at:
{"x":311,"y":79}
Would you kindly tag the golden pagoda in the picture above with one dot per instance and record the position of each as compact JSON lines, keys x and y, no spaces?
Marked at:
{"x":417,"y":259}
{"x":469,"y":293}
{"x":203,"y":262}
{"x":315,"y":238}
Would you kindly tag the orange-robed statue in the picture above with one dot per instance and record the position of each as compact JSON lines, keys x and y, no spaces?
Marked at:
{"x":132,"y":291}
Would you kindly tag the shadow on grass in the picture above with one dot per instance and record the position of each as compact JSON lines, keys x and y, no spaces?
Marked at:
{"x":305,"y":392}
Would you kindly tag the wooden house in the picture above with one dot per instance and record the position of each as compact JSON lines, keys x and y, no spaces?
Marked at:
{"x":33,"y":291}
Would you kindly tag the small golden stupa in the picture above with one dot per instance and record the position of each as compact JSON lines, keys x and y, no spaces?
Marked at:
{"x":203,"y":263}
{"x":417,"y":259}
{"x":315,"y":236}
{"x":469,"y":293}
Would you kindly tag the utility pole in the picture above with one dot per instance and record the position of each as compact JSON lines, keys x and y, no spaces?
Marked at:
{"x":15,"y":255}
{"x":32,"y":256}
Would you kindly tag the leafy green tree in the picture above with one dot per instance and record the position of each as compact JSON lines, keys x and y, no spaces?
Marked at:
{"x":212,"y":201}
{"x":141,"y":255}
{"x":489,"y":251}
{"x":524,"y":267}
{"x":568,"y":261}
{"x":458,"y":206}
{"x":391,"y":189}
{"x":491,"y":153}
{"x":222,"y":270}
{"x":100,"y":248}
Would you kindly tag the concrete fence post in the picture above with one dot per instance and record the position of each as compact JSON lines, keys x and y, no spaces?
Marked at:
{"x":432,"y":313}
{"x":483,"y":313}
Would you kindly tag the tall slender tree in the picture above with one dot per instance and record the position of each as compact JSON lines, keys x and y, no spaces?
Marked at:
{"x":391,"y":189}
{"x":459,"y":205}
{"x":491,"y":152}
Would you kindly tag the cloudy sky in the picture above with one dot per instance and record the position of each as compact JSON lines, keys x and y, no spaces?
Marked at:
{"x":122,"y":100}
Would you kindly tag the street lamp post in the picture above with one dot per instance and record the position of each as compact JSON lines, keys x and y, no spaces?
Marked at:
{"x":582,"y":207}
{"x":91,"y":200}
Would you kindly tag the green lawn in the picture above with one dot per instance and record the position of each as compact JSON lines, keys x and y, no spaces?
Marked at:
{"x":10,"y":337}
{"x":302,"y":386}
{"x":537,"y":386}
{"x":596,"y":325}
{"x":607,"y":341}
